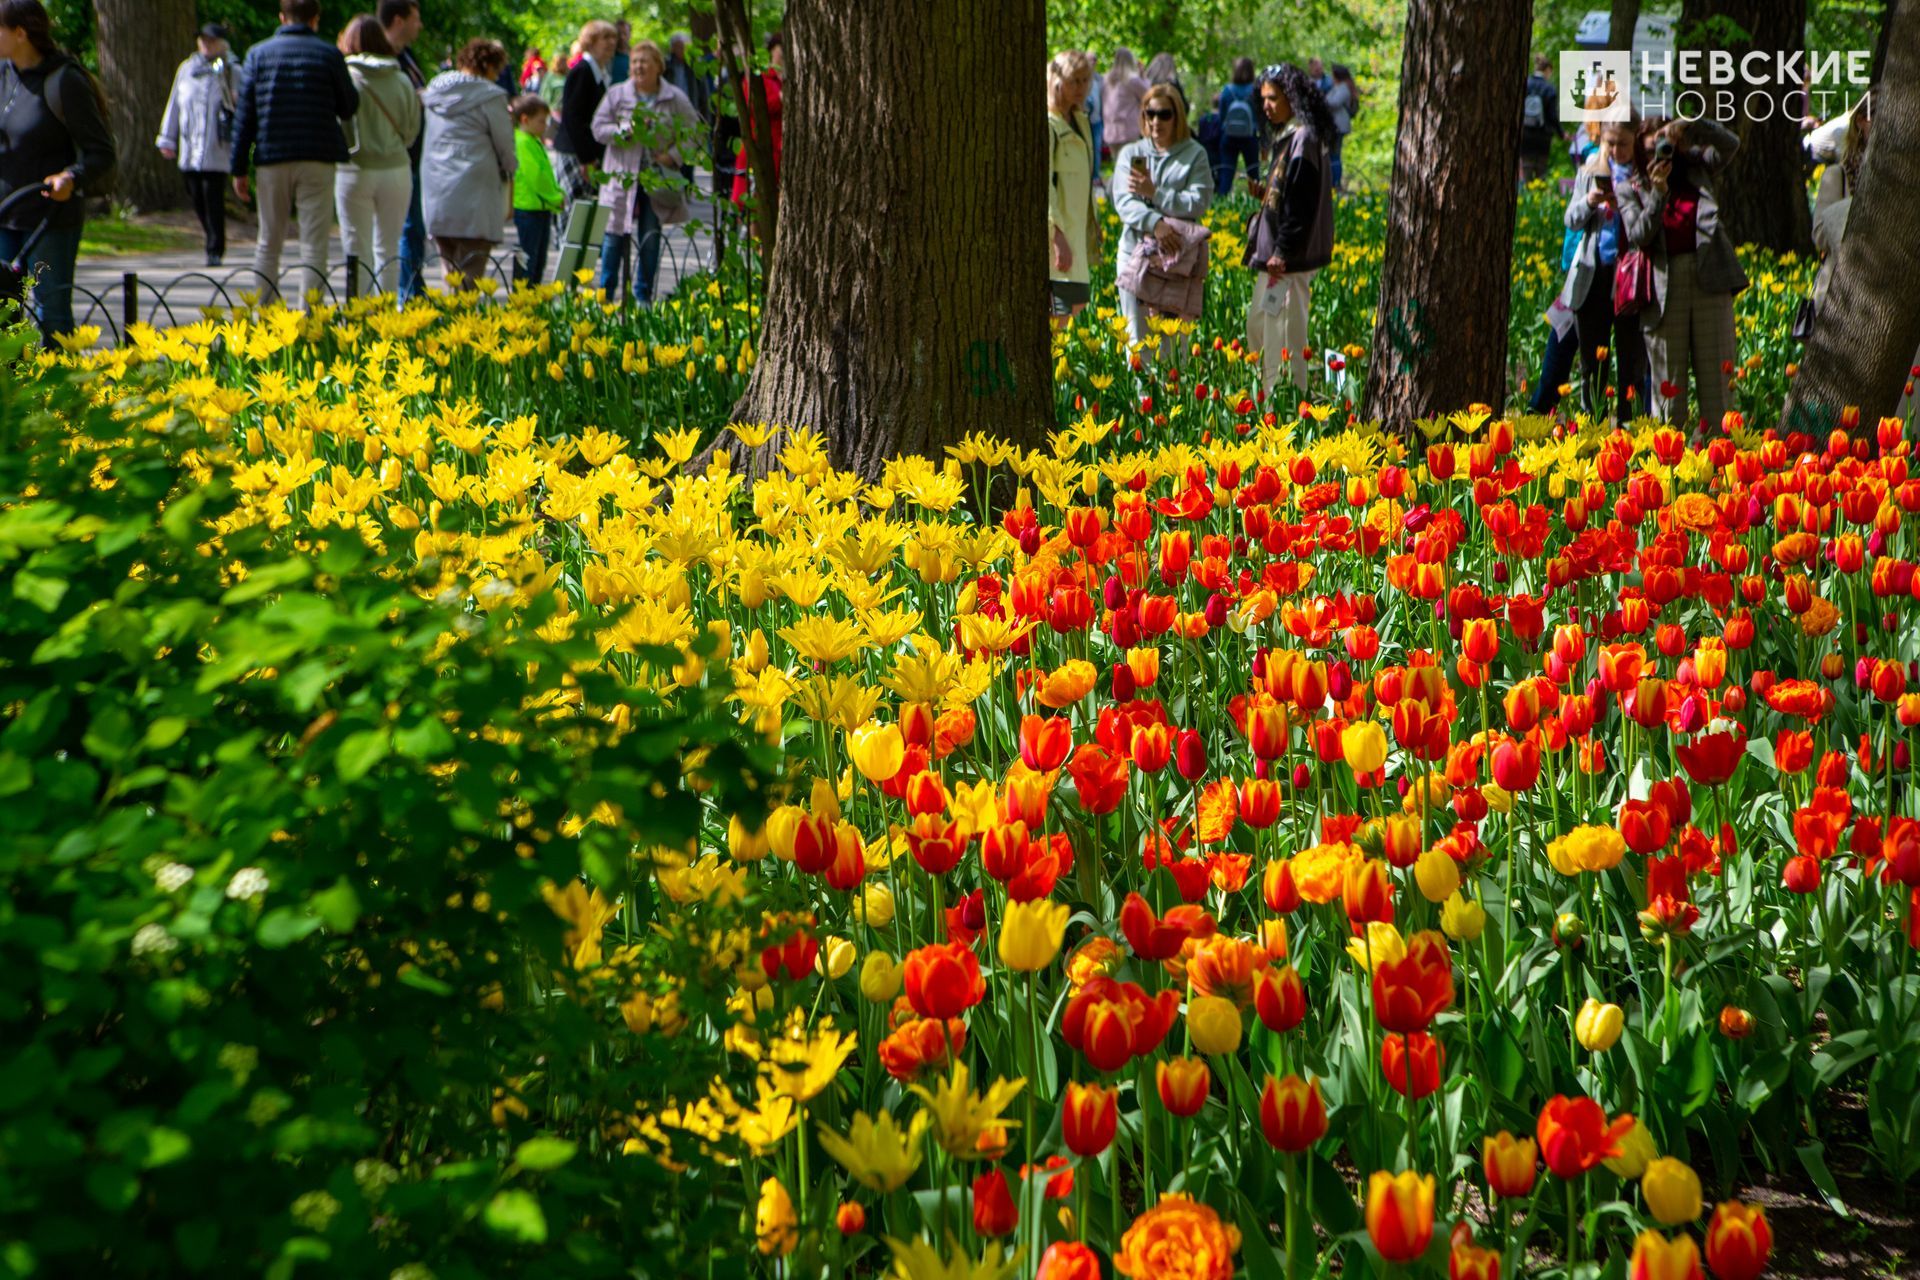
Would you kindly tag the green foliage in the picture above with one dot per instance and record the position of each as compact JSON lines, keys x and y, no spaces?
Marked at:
{"x":282,"y":816}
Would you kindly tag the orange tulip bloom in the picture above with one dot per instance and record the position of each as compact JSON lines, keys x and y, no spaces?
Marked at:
{"x":1367,"y":891}
{"x":1738,"y":1241}
{"x":1089,"y":1116}
{"x":1400,"y":1214}
{"x":1575,"y":1135}
{"x":1280,"y":998}
{"x":1044,"y":741}
{"x":1510,"y":1164}
{"x":943,"y":980}
{"x":1470,"y":1262}
{"x":1292,"y":1114}
{"x":1407,"y":993}
{"x":1183,"y":1084}
{"x":1657,"y":1258}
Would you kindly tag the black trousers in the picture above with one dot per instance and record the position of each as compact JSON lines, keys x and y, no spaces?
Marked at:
{"x":208,"y":191}
{"x":1626,"y":346}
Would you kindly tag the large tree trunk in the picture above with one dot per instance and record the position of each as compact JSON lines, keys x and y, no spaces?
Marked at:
{"x":141,"y":42}
{"x":1625,"y":17}
{"x":1864,"y":339}
{"x":1440,"y":331}
{"x":1762,"y":190}
{"x":908,"y":304}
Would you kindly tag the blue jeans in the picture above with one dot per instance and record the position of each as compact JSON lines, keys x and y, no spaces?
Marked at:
{"x":1233,"y":153}
{"x":1099,"y":143}
{"x":51,"y":266}
{"x":535,"y":229}
{"x":1339,"y":169}
{"x":1556,"y":366}
{"x":613,"y":254}
{"x":413,"y":247}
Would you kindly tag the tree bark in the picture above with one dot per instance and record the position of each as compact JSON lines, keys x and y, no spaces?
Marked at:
{"x":1440,"y":331}
{"x":1762,"y":190}
{"x":141,"y":43}
{"x":1624,"y":20}
{"x":908,"y":304}
{"x":1862,"y":349}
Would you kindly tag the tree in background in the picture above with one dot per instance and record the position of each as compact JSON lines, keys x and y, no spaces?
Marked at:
{"x":140,"y":43}
{"x":1762,"y":190}
{"x":1440,"y":328}
{"x":908,"y":304}
{"x":1864,"y":340}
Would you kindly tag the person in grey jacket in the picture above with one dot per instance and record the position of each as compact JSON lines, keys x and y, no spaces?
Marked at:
{"x":1594,"y":211}
{"x":1164,"y":174}
{"x":646,"y":125}
{"x":469,"y":161}
{"x":372,"y":190}
{"x":197,"y":131}
{"x":1672,"y":215}
{"x":1291,"y":236}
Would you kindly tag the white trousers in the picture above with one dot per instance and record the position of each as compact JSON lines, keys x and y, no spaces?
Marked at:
{"x":372,"y":204}
{"x":303,"y":188}
{"x":1277,"y":326}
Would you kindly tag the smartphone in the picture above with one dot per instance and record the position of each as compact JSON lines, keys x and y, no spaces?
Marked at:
{"x":1139,"y":164}
{"x":1603,"y":182}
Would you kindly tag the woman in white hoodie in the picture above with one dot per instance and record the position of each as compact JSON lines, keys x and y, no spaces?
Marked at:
{"x":196,"y":130}
{"x":469,"y":159}
{"x":372,"y":190}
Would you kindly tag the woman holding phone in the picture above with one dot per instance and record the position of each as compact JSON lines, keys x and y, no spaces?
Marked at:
{"x":1594,"y":212}
{"x":1165,"y":174}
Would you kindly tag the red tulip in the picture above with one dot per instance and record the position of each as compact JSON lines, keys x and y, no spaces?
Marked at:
{"x":943,"y":980}
{"x":1575,"y":1135}
{"x":1711,"y":758}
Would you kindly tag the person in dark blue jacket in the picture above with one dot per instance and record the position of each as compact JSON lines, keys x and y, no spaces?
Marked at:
{"x":294,"y":92}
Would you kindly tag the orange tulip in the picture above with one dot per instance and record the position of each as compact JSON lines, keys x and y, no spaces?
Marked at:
{"x":1657,"y":1258}
{"x":1280,"y":998}
{"x":1400,"y":1214}
{"x":1292,"y":1114}
{"x":1738,"y":1241}
{"x":1089,"y":1115}
{"x":1575,"y":1135}
{"x":1183,"y":1084}
{"x":943,"y":980}
{"x":1510,"y":1164}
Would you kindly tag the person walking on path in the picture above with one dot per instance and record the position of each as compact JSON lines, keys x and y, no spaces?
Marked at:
{"x":1291,"y":236}
{"x":1343,"y":100}
{"x":1239,"y":106}
{"x":576,"y":151}
{"x":197,"y":132}
{"x":695,"y":84}
{"x":1073,"y":224}
{"x":1162,"y":175}
{"x":1672,"y":214}
{"x":1540,"y":125}
{"x":294,"y":93}
{"x":470,"y":158}
{"x":646,"y":125}
{"x":373,"y":189}
{"x":53,"y":129}
{"x":401,"y":20}
{"x":1125,"y":86}
{"x":536,"y":195}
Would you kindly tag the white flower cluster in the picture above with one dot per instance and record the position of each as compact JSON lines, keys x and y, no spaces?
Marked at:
{"x":153,"y":939}
{"x":247,"y":882}
{"x":175,"y":875}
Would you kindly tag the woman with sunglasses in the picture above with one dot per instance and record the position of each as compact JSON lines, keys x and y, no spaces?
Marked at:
{"x":1164,"y":175}
{"x":1291,"y":236}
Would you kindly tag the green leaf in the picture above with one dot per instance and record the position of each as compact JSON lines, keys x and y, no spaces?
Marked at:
{"x":110,"y":734}
{"x":112,"y":1186}
{"x":164,"y":732}
{"x":360,"y":752}
{"x":516,"y":1215}
{"x":1813,"y":1159}
{"x":44,"y":594}
{"x":545,"y":1152}
{"x":266,"y":579}
{"x":338,"y":906}
{"x":426,"y":982}
{"x":164,"y":1146}
{"x":284,"y":926}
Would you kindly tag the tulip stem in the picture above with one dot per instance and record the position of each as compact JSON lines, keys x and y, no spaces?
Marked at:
{"x":1573,"y":1233}
{"x":1292,"y":1192}
{"x":1033,"y":1087}
{"x":1413,"y":1117}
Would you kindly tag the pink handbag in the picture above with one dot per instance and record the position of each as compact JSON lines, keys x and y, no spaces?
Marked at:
{"x":1632,"y":283}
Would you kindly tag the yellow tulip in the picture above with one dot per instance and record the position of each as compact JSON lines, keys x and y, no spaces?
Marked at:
{"x":875,"y":905}
{"x":774,"y":1224}
{"x":1462,"y":919}
{"x":1364,"y":743}
{"x":1636,"y":1153}
{"x":1214,"y":1024}
{"x":1597,"y":1026}
{"x":1437,"y":875}
{"x":878,"y":751}
{"x":1672,"y":1190}
{"x":881,"y":977}
{"x":1030,"y":934}
{"x":746,"y":845}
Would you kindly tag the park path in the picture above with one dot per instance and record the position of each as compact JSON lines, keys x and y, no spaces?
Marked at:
{"x":173,"y":287}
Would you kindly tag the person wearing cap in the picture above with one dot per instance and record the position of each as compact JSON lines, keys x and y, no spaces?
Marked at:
{"x":197,"y":132}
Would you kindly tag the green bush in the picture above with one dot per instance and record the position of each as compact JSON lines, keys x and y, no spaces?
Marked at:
{"x":279,"y":979}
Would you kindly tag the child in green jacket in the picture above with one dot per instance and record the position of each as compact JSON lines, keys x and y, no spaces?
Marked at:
{"x":536,"y":195}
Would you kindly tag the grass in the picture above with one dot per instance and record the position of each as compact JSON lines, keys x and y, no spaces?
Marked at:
{"x":118,"y":235}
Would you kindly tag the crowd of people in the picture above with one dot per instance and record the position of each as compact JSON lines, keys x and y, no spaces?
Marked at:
{"x":353,"y":132}
{"x":1283,"y":126}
